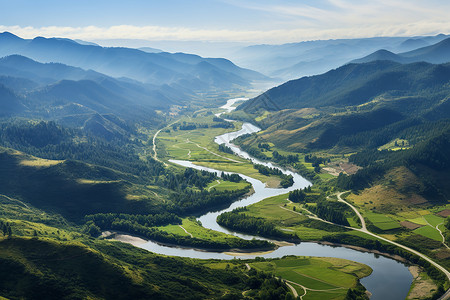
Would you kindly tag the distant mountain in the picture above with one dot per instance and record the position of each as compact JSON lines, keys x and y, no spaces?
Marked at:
{"x":354,"y":106}
{"x":413,"y":43}
{"x":381,"y":55}
{"x":102,"y":127}
{"x":56,"y":80}
{"x":153,"y":68}
{"x":18,"y":85}
{"x":23,"y":67}
{"x":436,"y":54}
{"x":150,"y":50}
{"x":9,"y":102}
{"x":352,"y":84}
{"x":81,"y":42}
{"x":294,"y":60}
{"x":78,"y":98}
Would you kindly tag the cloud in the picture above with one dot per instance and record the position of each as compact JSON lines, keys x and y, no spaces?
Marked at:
{"x":157,"y":33}
{"x":353,"y":13}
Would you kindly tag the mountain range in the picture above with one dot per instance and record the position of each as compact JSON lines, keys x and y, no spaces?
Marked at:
{"x":293,"y":60}
{"x":188,"y":71}
{"x":81,"y":84}
{"x":354,"y":84}
{"x":71,"y":95}
{"x":436,"y":54}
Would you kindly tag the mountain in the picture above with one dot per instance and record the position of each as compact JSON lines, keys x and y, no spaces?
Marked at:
{"x":352,"y":107}
{"x":381,"y":55}
{"x":153,"y":68}
{"x":24,"y":67}
{"x":71,"y":95}
{"x":9,"y":102}
{"x":353,"y":84}
{"x":436,"y":54}
{"x":289,"y":61}
{"x":150,"y":50}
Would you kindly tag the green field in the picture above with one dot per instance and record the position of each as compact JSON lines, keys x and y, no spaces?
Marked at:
{"x":280,"y":211}
{"x":190,"y":144}
{"x":429,"y":232}
{"x":382,"y":221}
{"x":197,"y":231}
{"x":329,"y":277}
{"x":434,"y":220}
{"x":224,"y":185}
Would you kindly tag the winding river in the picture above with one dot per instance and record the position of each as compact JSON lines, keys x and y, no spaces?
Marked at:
{"x":390,"y":279}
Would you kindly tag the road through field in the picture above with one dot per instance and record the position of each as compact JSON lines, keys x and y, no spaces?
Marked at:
{"x":364,"y":229}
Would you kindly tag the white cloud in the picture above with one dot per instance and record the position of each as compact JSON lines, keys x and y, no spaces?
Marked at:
{"x":154,"y":33}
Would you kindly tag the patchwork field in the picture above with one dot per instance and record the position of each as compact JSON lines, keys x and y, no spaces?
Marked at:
{"x":382,"y":221}
{"x":316,"y":278}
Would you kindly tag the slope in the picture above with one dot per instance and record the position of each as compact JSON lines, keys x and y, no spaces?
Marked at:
{"x":154,"y":68}
{"x":437,"y":54}
{"x":352,"y":84}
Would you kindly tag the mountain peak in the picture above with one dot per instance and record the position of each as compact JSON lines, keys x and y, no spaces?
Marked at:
{"x":9,"y":35}
{"x":379,"y":55}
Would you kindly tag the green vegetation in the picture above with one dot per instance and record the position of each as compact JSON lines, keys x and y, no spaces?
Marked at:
{"x":46,"y":269}
{"x":43,"y":260}
{"x":147,"y":226}
{"x":286,"y":180}
{"x":383,"y":222}
{"x":316,"y":278}
{"x":197,"y":145}
{"x":239,"y":221}
{"x":276,"y":217}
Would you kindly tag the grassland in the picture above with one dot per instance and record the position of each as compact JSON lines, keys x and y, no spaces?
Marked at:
{"x":197,"y":145}
{"x":291,"y":217}
{"x":223,"y":185}
{"x":316,"y":278}
{"x":194,"y":229}
{"x":381,"y":221}
{"x":312,"y":277}
{"x":395,"y":145}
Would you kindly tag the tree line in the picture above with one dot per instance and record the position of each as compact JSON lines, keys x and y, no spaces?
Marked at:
{"x":239,"y":221}
{"x":145,"y":226}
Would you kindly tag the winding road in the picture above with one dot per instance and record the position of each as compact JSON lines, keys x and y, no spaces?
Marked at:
{"x":155,"y":154}
{"x":364,"y":229}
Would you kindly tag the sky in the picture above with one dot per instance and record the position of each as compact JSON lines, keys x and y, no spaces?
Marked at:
{"x":225,"y":21}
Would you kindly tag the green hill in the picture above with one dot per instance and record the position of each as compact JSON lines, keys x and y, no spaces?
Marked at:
{"x":352,"y":85}
{"x":44,"y":269}
{"x":71,"y":188}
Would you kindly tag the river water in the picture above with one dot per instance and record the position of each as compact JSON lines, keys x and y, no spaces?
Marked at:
{"x":390,"y":279}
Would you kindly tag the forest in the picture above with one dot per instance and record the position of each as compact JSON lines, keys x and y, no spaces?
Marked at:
{"x":239,"y":221}
{"x":144,"y":226}
{"x":286,"y":180}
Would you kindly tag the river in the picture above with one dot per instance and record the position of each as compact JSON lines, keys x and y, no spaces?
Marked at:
{"x":390,"y":279}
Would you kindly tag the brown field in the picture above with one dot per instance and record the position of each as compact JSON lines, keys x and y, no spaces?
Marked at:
{"x":445,"y":213}
{"x":442,"y":253}
{"x":410,"y":225}
{"x":349,"y":168}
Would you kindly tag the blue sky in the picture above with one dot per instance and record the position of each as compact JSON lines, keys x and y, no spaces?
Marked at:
{"x":252,"y":21}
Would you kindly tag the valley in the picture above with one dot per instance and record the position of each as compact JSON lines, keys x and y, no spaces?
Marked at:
{"x":124,"y":175}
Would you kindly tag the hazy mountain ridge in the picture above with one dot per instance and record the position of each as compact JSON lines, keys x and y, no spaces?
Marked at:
{"x":351,"y":108}
{"x":154,"y":68}
{"x":293,"y":60}
{"x":352,"y":84}
{"x":436,"y":54}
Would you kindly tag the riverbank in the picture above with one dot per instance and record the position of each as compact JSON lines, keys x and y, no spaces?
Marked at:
{"x":139,"y":241}
{"x":389,"y":280}
{"x":362,"y":249}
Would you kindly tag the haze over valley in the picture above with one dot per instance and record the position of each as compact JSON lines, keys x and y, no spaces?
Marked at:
{"x":225,"y":150}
